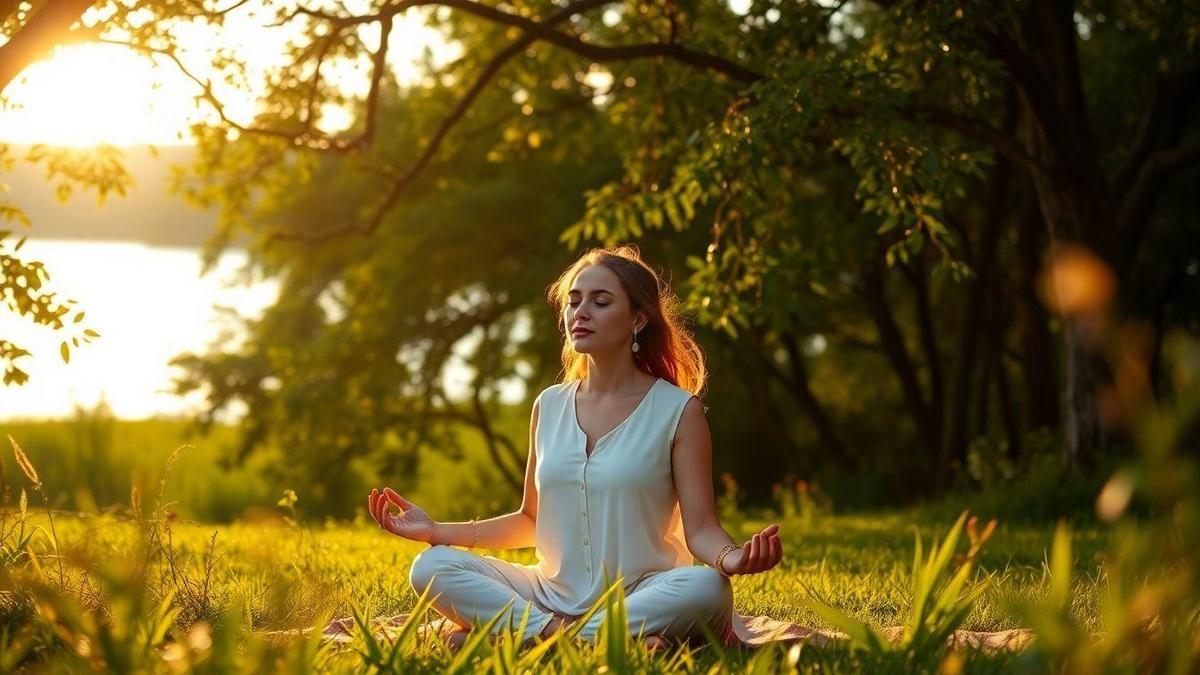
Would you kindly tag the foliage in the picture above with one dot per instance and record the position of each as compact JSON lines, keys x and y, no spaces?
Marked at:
{"x":941,"y":601}
{"x":1150,"y":599}
{"x":841,"y":189}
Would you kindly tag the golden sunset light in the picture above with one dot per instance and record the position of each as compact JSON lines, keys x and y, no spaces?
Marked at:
{"x":92,"y":93}
{"x":580,"y":336}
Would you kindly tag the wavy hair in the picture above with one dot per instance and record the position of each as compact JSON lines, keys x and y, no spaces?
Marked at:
{"x":665,"y":347}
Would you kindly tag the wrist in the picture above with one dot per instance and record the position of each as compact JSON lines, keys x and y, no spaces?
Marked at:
{"x":723,"y":557}
{"x":436,"y":534}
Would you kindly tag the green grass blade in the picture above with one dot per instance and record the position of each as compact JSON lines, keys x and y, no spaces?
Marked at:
{"x":478,"y":639}
{"x":859,"y":633}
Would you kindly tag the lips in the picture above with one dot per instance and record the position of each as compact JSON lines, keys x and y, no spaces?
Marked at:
{"x":580,"y":332}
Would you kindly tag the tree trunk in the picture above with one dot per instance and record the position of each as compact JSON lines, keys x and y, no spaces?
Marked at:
{"x":784,"y":449}
{"x":1038,"y":367}
{"x":803,"y":394}
{"x":892,"y":341}
{"x":1075,"y":199}
{"x":954,"y":422}
{"x":46,"y":29}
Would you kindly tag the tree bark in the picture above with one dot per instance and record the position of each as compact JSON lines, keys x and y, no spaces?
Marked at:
{"x":46,"y":29}
{"x":803,"y":394}
{"x":1038,"y":367}
{"x":954,"y":421}
{"x":1076,"y":202}
{"x":892,"y":341}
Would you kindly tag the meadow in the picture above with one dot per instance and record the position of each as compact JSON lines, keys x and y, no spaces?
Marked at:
{"x":137,"y":584}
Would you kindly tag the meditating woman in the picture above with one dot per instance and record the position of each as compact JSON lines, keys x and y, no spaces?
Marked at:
{"x":618,"y":484}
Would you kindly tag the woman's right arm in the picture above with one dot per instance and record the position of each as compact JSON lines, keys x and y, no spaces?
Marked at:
{"x":511,"y":530}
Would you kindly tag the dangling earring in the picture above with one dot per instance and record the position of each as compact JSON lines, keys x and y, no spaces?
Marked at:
{"x":635,"y":344}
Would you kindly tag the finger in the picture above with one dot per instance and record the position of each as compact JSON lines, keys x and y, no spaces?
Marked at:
{"x":761,"y":552}
{"x":776,"y":551}
{"x":752,"y":556}
{"x":371,"y":500}
{"x":381,"y":506}
{"x":744,"y":562}
{"x":771,"y":529}
{"x":395,"y":498}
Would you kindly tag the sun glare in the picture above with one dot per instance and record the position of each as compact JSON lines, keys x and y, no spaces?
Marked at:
{"x":90,"y":94}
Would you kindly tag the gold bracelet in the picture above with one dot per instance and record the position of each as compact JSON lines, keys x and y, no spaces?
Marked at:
{"x":475,"y":530}
{"x":721,"y":557}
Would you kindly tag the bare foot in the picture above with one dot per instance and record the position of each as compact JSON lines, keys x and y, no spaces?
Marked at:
{"x":456,"y":640}
{"x":654,"y":643}
{"x":556,"y":624}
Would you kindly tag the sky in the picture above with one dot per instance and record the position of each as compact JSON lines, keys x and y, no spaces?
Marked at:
{"x":100,"y":93}
{"x":87,"y":94}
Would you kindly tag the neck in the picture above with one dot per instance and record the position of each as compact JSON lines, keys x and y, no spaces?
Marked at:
{"x":613,"y":375}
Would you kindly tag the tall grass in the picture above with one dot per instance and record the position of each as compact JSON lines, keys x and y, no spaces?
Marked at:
{"x":146,"y":592}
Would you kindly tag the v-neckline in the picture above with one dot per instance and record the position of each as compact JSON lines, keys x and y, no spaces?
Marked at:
{"x":575,"y":414}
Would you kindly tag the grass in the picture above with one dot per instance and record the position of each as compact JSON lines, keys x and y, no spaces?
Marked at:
{"x":271,"y":575}
{"x":233,"y":583}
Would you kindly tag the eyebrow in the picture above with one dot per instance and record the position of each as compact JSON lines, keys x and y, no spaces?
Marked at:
{"x":595,"y":292}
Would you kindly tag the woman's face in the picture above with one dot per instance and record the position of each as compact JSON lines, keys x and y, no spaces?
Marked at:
{"x":598,"y":317}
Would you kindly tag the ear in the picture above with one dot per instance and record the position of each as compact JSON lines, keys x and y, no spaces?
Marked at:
{"x":640,"y":320}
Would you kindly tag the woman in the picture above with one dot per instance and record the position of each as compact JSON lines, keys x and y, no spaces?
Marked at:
{"x":618,"y":485}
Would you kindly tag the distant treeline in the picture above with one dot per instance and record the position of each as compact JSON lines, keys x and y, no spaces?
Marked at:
{"x":146,"y":214}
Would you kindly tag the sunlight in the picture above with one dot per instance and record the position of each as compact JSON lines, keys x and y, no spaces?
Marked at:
{"x":90,"y":94}
{"x":142,"y":325}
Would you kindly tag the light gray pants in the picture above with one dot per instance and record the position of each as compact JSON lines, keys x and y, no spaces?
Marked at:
{"x":473,"y":588}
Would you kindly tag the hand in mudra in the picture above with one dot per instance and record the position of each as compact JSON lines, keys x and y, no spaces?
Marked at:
{"x":412,"y":521}
{"x":759,"y":554}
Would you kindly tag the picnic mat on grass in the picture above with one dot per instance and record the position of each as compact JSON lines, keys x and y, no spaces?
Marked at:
{"x":746,"y":630}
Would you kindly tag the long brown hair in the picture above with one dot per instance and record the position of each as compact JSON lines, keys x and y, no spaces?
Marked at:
{"x":665,"y":347}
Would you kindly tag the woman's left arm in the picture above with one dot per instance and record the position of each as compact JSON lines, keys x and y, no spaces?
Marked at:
{"x":691,"y":464}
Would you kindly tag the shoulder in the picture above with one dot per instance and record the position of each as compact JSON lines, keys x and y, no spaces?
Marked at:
{"x":683,"y":398}
{"x":550,"y":392}
{"x":687,"y":412}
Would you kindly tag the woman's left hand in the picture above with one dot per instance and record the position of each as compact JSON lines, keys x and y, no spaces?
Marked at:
{"x":759,"y":554}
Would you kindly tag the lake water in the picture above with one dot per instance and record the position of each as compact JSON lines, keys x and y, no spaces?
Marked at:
{"x":148,"y":304}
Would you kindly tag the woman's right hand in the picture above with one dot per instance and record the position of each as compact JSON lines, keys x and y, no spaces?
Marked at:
{"x":412,"y":522}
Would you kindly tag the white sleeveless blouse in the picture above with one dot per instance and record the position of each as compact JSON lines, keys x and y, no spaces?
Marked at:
{"x":615,"y":513}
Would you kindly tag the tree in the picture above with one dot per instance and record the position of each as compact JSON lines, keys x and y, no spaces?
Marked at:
{"x":853,"y":163}
{"x":33,"y":30}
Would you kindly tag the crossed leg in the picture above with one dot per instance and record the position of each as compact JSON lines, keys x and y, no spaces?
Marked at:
{"x":665,"y":606}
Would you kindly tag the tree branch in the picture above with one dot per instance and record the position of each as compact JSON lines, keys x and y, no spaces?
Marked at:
{"x":1153,"y":177}
{"x":403,"y":180}
{"x":1169,"y":98}
{"x":979,"y":131}
{"x":41,"y":33}
{"x":543,"y":31}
